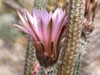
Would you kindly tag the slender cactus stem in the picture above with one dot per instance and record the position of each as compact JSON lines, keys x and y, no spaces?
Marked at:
{"x":90,"y":11}
{"x":39,"y":4}
{"x":74,"y":30}
{"x":31,"y":54}
{"x":78,"y":65}
{"x":30,"y":58}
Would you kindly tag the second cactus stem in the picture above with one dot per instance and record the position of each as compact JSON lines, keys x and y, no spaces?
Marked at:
{"x":70,"y":53}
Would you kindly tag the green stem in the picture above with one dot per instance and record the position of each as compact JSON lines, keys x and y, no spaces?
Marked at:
{"x":39,"y":4}
{"x":78,"y":65}
{"x":30,"y":58}
{"x":31,"y":54}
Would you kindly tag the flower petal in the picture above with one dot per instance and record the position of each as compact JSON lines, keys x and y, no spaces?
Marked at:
{"x":56,"y":13}
{"x":49,"y":31}
{"x":20,"y":27}
{"x":22,"y":19}
{"x":31,"y":22}
{"x":36,"y":13}
{"x":45,"y":16}
{"x":27,"y":26}
{"x":58,"y":25}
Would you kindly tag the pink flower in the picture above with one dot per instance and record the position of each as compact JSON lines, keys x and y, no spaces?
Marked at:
{"x":45,"y":28}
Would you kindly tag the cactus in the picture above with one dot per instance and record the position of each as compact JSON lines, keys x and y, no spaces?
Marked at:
{"x":69,"y":62}
{"x":90,"y":11}
{"x":31,"y":54}
{"x":74,"y":30}
{"x":39,"y":4}
{"x":30,"y":58}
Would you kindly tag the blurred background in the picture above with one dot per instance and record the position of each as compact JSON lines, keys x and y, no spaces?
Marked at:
{"x":13,"y":44}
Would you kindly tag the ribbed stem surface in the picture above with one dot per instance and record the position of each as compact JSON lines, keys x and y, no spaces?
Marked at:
{"x":30,"y":54}
{"x":74,"y":31}
{"x":30,"y":58}
{"x":39,"y":4}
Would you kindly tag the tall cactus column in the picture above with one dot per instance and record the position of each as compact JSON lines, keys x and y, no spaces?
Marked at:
{"x":88,"y":26}
{"x":30,"y":58}
{"x":74,"y":30}
{"x":30,"y":53}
